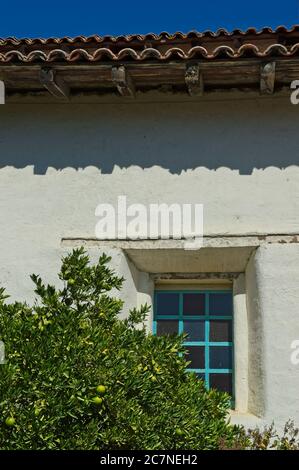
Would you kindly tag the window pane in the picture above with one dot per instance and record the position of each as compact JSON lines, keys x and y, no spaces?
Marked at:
{"x":195,"y":330}
{"x":220,"y":357}
{"x":167,"y":304}
{"x":200,"y":376}
{"x":220,"y":330}
{"x":221,"y":304}
{"x":194,"y":304}
{"x":167,"y":327}
{"x":195,"y":354}
{"x":222,"y":382}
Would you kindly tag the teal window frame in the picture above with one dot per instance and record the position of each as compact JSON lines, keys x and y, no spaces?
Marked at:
{"x":206,"y":318}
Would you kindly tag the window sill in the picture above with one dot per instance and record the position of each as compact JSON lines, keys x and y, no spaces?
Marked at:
{"x":247,"y":420}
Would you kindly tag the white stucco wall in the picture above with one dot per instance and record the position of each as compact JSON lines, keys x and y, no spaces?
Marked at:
{"x":273,"y":326}
{"x":238,"y":157}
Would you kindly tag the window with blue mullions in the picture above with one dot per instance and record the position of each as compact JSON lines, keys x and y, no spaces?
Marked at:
{"x":206,"y":317}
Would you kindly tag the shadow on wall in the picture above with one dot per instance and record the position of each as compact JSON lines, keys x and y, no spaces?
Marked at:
{"x":240,"y":135}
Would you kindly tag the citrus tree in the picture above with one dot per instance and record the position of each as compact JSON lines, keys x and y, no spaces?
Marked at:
{"x":78,"y":377}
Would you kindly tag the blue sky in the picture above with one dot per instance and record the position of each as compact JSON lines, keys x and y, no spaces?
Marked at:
{"x":58,"y":18}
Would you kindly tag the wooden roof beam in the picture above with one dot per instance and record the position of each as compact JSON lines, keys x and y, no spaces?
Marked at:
{"x":267,"y":79}
{"x":53,"y":83}
{"x":194,"y":80}
{"x":123,"y":81}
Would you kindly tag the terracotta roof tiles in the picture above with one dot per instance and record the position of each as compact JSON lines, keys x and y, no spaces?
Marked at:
{"x":207,"y":45}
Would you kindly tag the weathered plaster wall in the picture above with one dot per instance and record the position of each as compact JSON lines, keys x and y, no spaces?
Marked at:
{"x":59,"y":161}
{"x":256,"y":338}
{"x":239,"y":158}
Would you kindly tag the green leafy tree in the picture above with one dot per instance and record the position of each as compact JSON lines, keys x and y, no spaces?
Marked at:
{"x":78,"y":377}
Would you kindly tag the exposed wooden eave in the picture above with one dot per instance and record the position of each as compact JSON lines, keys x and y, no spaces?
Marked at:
{"x":216,"y":75}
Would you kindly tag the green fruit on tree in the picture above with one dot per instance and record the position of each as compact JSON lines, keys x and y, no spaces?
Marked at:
{"x":101,"y":389}
{"x":97,"y":400}
{"x":179,"y":432}
{"x":71,"y":282}
{"x":10,"y":421}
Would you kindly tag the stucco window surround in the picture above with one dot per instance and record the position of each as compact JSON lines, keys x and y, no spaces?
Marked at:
{"x":204,"y":269}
